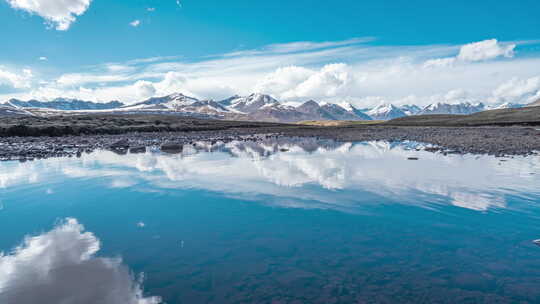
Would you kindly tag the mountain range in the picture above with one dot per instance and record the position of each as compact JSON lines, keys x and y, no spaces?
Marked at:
{"x":64,"y":104}
{"x":258,"y":107}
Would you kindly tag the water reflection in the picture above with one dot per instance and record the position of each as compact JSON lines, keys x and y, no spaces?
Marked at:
{"x":306,"y":173}
{"x":188,"y":222}
{"x":60,"y":266}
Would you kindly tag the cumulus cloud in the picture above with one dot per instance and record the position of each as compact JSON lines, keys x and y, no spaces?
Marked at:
{"x":330,"y":81}
{"x":298,"y":82}
{"x":283,"y":79}
{"x":518,"y":90}
{"x":16,"y":80}
{"x":135,"y":23}
{"x":485,"y":50}
{"x":43,"y":58}
{"x":340,"y":71}
{"x":145,"y":89}
{"x":476,"y":51}
{"x":58,"y":13}
{"x":60,"y":266}
{"x":456,"y":94}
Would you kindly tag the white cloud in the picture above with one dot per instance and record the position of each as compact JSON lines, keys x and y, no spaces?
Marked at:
{"x":16,"y":80}
{"x":283,"y":79}
{"x":60,"y":266}
{"x":43,"y":58}
{"x":145,"y":89}
{"x":439,"y":62}
{"x":151,"y":9}
{"x":300,"y":46}
{"x":476,"y":51}
{"x":336,"y":71}
{"x":58,"y":13}
{"x":135,"y":23}
{"x":122,"y":183}
{"x":330,"y":81}
{"x":518,"y":90}
{"x":456,"y":94}
{"x":116,"y":68}
{"x":485,"y":50}
{"x":81,"y":79}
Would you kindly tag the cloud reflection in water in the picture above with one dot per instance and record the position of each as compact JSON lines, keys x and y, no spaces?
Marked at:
{"x":309,"y":173}
{"x":60,"y":266}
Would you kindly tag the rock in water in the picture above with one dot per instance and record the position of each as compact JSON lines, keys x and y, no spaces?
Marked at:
{"x":141,"y":149}
{"x":121,"y":144}
{"x":172,"y":148}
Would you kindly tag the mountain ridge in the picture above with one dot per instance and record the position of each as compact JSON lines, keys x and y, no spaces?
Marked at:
{"x":256,"y":106}
{"x":65,"y":104}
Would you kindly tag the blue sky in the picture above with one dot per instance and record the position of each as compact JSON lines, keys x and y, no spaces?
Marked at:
{"x":195,"y":40}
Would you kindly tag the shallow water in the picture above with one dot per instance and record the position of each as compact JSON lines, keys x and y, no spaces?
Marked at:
{"x":307,"y":220}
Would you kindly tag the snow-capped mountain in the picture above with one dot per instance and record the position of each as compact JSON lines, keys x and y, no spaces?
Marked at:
{"x":339,"y":113}
{"x":385,"y":112}
{"x":458,"y":108}
{"x":249,"y":103}
{"x":410,"y":109}
{"x":313,"y":111}
{"x":506,"y":105}
{"x":65,"y":104}
{"x":206,"y":106}
{"x":278,"y":113}
{"x":170,"y":102}
{"x":7,"y":109}
{"x":227,"y":102}
{"x":358,"y":112}
{"x":259,"y":107}
{"x":309,"y":110}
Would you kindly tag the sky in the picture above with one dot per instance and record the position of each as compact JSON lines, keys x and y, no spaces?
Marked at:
{"x":363,"y":52}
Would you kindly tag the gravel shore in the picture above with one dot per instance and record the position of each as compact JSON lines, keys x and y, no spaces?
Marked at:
{"x":498,"y":141}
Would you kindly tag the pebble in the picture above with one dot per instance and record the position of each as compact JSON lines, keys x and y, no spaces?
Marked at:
{"x":497,"y":141}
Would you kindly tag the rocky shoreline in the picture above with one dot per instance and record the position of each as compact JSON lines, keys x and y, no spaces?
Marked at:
{"x":497,"y":141}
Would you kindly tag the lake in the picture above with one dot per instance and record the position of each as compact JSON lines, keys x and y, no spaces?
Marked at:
{"x":279,"y":221}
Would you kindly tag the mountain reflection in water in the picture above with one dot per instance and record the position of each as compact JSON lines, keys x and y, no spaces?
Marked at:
{"x":306,"y":173}
{"x":283,"y":220}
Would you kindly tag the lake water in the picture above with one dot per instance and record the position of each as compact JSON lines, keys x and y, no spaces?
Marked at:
{"x":288,"y":221}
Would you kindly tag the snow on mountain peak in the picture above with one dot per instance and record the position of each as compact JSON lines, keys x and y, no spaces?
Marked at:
{"x":506,"y":105}
{"x":251,"y":103}
{"x":386,"y":112}
{"x":172,"y":102}
{"x":465,"y":107}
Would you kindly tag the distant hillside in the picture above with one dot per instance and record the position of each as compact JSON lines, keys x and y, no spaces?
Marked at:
{"x":64,"y":104}
{"x":522,"y":116}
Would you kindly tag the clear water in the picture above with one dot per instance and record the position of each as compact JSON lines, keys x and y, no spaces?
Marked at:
{"x":300,"y":221}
